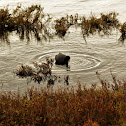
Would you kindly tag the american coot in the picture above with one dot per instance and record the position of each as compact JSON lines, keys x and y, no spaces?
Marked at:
{"x":62,"y":59}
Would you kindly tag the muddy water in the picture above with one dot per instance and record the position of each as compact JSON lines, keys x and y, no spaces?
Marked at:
{"x":99,"y":54}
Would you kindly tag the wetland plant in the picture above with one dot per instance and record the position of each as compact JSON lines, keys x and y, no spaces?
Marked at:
{"x":61,"y":26}
{"x":102,"y":25}
{"x":41,"y":72}
{"x":6,"y":24}
{"x":123,"y":33}
{"x":32,"y":21}
{"x":83,"y":107}
{"x":27,"y":22}
{"x":25,"y":71}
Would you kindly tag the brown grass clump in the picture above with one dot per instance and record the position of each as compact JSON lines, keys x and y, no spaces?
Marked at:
{"x":26,"y":22}
{"x":103,"y":25}
{"x":90,"y":26}
{"x":123,"y":32}
{"x":83,"y":107}
{"x":32,"y":21}
{"x":41,"y":72}
{"x":5,"y":24}
{"x":61,"y":26}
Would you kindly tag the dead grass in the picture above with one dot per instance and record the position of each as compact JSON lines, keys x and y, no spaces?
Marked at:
{"x":32,"y":21}
{"x":41,"y":72}
{"x":83,"y":107}
{"x":27,"y":22}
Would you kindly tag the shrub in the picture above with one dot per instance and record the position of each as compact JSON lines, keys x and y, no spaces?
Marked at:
{"x":83,"y":107}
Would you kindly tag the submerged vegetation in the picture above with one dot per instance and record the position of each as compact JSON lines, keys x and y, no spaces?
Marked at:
{"x":32,"y":21}
{"x":83,"y":107}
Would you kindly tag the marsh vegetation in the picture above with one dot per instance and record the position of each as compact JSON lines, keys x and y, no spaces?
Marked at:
{"x":83,"y":107}
{"x":25,"y":21}
{"x":41,"y":72}
{"x":32,"y":21}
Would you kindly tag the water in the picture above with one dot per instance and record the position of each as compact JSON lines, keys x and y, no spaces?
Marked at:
{"x":100,"y":54}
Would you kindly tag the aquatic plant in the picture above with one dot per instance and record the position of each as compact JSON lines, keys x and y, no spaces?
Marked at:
{"x":40,"y":72}
{"x":25,"y":71}
{"x":123,"y":33}
{"x":66,"y":79}
{"x":103,"y":25}
{"x":26,"y":22}
{"x":83,"y":107}
{"x":32,"y":21}
{"x":61,"y":26}
{"x":6,"y":25}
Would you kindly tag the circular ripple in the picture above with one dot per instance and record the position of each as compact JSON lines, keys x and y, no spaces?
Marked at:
{"x":78,"y":61}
